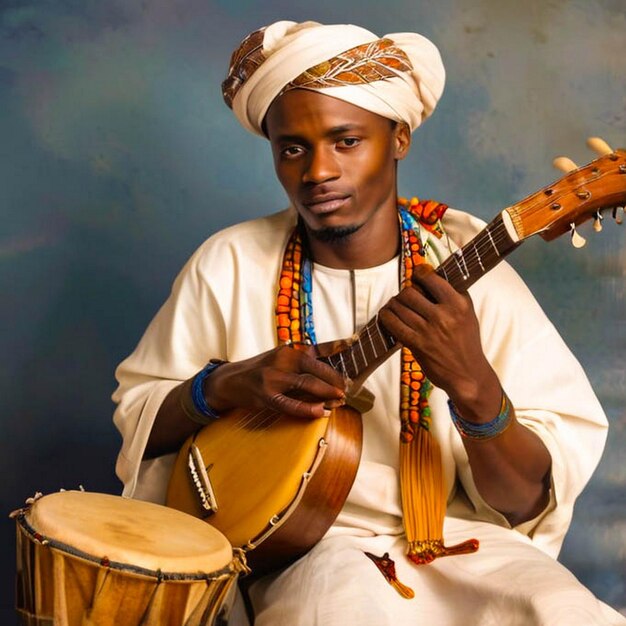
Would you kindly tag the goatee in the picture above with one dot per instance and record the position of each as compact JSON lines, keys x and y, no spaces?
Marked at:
{"x":334,"y":234}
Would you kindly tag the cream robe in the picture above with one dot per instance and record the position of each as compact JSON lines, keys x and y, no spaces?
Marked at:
{"x":221,"y":306}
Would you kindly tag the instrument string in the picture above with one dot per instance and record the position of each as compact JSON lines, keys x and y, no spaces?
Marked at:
{"x":476,"y":254}
{"x":356,"y":351}
{"x":253,"y":420}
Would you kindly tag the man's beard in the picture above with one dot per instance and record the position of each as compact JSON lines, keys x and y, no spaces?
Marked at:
{"x":334,"y":234}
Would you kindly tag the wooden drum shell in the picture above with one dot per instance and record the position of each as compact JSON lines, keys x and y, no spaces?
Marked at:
{"x":60,"y":583}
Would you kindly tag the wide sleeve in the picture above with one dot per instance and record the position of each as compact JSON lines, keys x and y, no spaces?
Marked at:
{"x":551,"y":395}
{"x":186,"y":332}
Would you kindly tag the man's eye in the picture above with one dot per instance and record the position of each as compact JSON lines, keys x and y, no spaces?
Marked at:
{"x":291,"y":151}
{"x":348,"y":142}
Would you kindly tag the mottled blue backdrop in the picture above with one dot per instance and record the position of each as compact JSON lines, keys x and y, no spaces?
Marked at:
{"x":118,"y":157}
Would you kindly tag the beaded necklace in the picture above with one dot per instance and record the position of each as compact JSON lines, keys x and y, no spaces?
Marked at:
{"x":421,"y":474}
{"x":294,"y":308}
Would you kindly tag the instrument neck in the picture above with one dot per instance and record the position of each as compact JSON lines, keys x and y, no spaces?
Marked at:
{"x":373,"y":344}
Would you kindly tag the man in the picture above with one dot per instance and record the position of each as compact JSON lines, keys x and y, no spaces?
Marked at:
{"x":518,"y":428}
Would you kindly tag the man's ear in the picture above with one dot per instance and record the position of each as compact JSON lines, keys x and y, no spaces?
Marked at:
{"x":402,"y":140}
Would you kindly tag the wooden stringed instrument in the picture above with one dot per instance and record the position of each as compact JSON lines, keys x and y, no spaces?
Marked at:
{"x":274,"y":485}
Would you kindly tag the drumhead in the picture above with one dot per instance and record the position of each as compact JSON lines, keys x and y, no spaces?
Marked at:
{"x":133,"y":532}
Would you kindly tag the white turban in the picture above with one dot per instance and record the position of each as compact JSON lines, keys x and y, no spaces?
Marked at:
{"x":270,"y":60}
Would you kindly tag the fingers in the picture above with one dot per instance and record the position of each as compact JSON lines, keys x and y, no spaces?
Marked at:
{"x":292,"y":382}
{"x":319,"y":369}
{"x":413,"y":305}
{"x":429,"y":311}
{"x":297,"y":408}
{"x":407,"y":315}
{"x":430,"y":298}
{"x":432,"y":285}
{"x":304,"y":385}
{"x":403,"y":323}
{"x":427,"y":292}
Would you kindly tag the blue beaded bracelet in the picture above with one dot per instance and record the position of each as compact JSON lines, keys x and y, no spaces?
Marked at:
{"x":488,"y":430}
{"x":197,"y":391}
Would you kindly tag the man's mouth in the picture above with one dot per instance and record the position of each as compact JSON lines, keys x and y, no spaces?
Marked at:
{"x":326,"y":203}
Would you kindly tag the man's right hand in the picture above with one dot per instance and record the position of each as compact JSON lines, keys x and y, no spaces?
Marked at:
{"x":288,"y":379}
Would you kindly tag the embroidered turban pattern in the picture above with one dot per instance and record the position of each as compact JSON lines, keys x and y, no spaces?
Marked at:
{"x":399,"y":76}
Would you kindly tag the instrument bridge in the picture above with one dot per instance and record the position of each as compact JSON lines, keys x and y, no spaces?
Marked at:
{"x":199,"y":473}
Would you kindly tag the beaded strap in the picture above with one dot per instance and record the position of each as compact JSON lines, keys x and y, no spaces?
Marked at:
{"x":488,"y":430}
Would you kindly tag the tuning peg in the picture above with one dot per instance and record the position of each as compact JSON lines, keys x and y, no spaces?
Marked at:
{"x":599,"y":146}
{"x":597,"y":222}
{"x":564,"y":164}
{"x":578,"y":241}
{"x":618,"y":214}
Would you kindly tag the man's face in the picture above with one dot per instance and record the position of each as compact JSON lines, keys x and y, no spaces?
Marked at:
{"x":336,"y":161}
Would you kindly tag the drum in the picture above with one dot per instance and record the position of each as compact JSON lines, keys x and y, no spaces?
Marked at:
{"x":94,"y":559}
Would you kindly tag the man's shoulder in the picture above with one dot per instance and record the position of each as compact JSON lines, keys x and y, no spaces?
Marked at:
{"x":276,"y":224}
{"x":258,"y":237}
{"x":281,"y":220}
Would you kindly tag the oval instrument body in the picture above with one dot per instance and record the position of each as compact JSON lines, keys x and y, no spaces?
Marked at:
{"x":272,"y":485}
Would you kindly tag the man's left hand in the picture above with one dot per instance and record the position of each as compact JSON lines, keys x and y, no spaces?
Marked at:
{"x":439,"y":326}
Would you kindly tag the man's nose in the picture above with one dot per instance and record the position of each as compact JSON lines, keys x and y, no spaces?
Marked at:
{"x":321,"y":166}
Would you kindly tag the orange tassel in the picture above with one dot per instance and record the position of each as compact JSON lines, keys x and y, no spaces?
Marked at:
{"x":424,"y":500}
